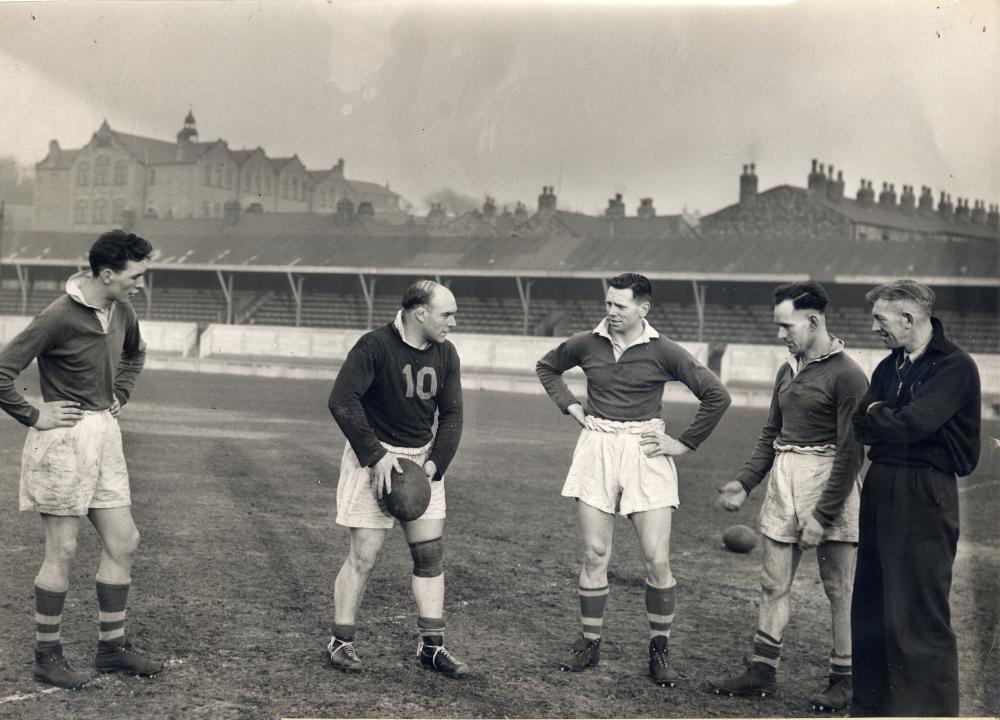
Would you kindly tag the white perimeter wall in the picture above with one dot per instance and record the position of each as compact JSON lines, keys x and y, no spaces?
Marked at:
{"x":170,"y":337}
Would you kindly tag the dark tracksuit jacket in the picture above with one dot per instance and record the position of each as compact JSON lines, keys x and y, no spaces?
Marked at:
{"x":923,"y":429}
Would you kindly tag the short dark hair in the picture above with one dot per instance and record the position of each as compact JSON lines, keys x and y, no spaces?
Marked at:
{"x":115,"y":248}
{"x":642,"y":291}
{"x":808,"y":295}
{"x":418,"y":294}
{"x":904,"y":289}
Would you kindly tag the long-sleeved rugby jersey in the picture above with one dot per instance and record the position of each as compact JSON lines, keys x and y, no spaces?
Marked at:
{"x":811,"y":409}
{"x":77,"y":359}
{"x":389,"y":391}
{"x":631,"y":387}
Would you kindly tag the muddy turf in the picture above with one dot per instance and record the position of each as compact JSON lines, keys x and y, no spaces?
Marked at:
{"x":234,"y":482}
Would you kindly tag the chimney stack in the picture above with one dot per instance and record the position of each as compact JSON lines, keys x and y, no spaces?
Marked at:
{"x":547,"y":200}
{"x":646,"y":209}
{"x":338,"y":169}
{"x":866,"y":195}
{"x":962,"y":210}
{"x":945,"y":208}
{"x":979,"y":213}
{"x":887,"y":198}
{"x":926,"y":199}
{"x":437,"y":215}
{"x":616,"y":208}
{"x":345,"y":212}
{"x":489,"y":207}
{"x":835,"y":188}
{"x":993,"y":217}
{"x":908,"y":200}
{"x":520,"y":211}
{"x":748,"y":186}
{"x":817,"y":179}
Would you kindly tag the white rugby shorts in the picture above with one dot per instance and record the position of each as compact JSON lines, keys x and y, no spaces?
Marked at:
{"x":357,"y":504}
{"x":69,"y":470}
{"x":795,"y":486}
{"x":611,"y":472}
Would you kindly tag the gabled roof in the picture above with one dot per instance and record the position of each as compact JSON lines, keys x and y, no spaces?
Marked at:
{"x":62,"y":160}
{"x":911,"y":220}
{"x":371,"y":188}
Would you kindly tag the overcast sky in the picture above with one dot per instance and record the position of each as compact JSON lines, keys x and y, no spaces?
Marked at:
{"x":657,"y":100}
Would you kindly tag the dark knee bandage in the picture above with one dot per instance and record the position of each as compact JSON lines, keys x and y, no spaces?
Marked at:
{"x":428,"y":558}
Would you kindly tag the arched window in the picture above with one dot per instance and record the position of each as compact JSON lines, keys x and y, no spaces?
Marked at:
{"x":246,"y":181}
{"x":100,"y":210}
{"x":208,"y":173}
{"x":257,"y":187}
{"x":267,"y":184}
{"x":101,"y":167}
{"x":83,"y":174}
{"x":121,"y":172}
{"x":295,"y":188}
{"x":284,"y":188}
{"x":229,"y":177}
{"x":82,"y":206}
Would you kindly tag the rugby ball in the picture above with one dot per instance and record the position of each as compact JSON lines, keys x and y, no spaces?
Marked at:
{"x":411,"y":492}
{"x":739,"y":539}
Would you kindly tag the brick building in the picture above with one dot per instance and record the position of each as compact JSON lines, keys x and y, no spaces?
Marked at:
{"x":117,"y":177}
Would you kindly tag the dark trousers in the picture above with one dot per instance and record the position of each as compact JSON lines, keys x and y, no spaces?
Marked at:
{"x":905,"y":654}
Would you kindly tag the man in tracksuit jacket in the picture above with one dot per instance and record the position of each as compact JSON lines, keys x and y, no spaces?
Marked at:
{"x":921,"y":418}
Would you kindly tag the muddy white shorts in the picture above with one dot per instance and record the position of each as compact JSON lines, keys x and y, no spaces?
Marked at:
{"x":357,"y":504}
{"x":611,"y":472}
{"x":795,"y":486}
{"x":69,"y":470}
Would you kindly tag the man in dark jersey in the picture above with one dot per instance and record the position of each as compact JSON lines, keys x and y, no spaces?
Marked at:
{"x":921,"y":419}
{"x":623,"y":462}
{"x":393,"y":382}
{"x":808,"y":447}
{"x":89,"y":354}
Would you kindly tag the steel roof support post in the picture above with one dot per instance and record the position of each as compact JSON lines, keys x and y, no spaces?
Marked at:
{"x":699,"y":306}
{"x":296,"y":285}
{"x":148,"y":292}
{"x":604,"y":288}
{"x":22,"y":281}
{"x":524,"y":291}
{"x":369,"y":292}
{"x":227,"y":290}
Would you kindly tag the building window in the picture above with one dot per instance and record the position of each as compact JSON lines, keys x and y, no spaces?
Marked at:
{"x":295,"y":188}
{"x":152,"y":176}
{"x":208,"y":174}
{"x":256,"y":183}
{"x":206,"y":209}
{"x":284,"y":188}
{"x":118,"y":211}
{"x":81,"y":212}
{"x":121,"y":173}
{"x":217,"y":180}
{"x":246,"y":181}
{"x":101,"y":167}
{"x":229,"y":178}
{"x":83,"y":174}
{"x":216,"y":210}
{"x":267,"y":184}
{"x":100,"y":210}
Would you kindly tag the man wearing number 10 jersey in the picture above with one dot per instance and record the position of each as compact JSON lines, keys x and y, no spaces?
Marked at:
{"x":394,"y":381}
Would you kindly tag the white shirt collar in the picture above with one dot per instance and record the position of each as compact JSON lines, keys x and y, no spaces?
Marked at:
{"x":75,"y":291}
{"x":648,"y":333}
{"x":398,"y":324}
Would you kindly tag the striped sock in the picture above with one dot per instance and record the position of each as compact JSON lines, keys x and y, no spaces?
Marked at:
{"x":660,"y":608}
{"x":766,"y":649}
{"x":431,"y":629}
{"x":48,"y":616}
{"x":344,"y":633}
{"x":840,"y":664}
{"x":592,"y":603}
{"x":111,"y":601}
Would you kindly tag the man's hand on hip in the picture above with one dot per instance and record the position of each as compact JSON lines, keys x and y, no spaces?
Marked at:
{"x":655,"y":443}
{"x":58,"y":413}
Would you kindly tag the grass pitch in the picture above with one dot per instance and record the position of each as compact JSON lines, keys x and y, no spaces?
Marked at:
{"x":234,"y":482}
